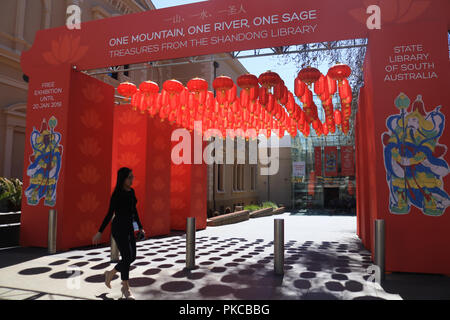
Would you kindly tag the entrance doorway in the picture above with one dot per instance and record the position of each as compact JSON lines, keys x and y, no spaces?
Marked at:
{"x":331,"y":198}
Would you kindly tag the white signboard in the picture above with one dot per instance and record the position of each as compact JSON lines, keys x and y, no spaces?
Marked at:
{"x":298,"y":169}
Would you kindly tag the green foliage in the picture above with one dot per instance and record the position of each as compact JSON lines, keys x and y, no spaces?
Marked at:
{"x":269,"y":204}
{"x":252,"y":207}
{"x":10,"y":194}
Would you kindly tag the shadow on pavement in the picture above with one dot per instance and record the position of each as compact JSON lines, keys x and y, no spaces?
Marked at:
{"x":418,"y":286}
{"x":16,"y":255}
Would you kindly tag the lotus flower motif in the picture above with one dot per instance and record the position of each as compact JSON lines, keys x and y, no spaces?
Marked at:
{"x":198,"y":189}
{"x":199,"y":206}
{"x":90,"y":147}
{"x":88,"y":202}
{"x":178,"y":204}
{"x":179,"y":171}
{"x":158,"y":204}
{"x":128,"y":159}
{"x":130,"y":118}
{"x":177,"y":186}
{"x":159,"y":144}
{"x":158,"y":184}
{"x":92,"y":92}
{"x":158,"y":163}
{"x":129,"y":138}
{"x":91,"y":119}
{"x":66,"y":49}
{"x":89,"y":175}
{"x":87,"y":229}
{"x":393,"y":11}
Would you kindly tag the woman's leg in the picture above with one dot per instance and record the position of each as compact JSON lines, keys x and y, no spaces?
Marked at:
{"x":127,"y":248}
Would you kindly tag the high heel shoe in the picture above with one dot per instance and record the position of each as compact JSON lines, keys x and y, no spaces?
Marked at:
{"x":127,"y":294}
{"x":108,"y":278}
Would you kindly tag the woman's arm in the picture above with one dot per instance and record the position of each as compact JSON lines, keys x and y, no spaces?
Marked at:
{"x":135,"y":213}
{"x":108,"y":217}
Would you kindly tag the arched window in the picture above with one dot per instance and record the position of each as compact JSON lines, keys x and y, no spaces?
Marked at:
{"x":14,"y":144}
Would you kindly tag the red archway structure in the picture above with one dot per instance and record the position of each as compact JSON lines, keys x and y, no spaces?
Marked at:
{"x":70,"y":119}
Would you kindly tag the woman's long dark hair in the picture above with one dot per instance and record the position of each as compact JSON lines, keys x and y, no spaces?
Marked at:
{"x":122,"y":174}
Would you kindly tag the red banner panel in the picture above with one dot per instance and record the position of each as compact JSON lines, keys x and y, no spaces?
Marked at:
{"x":188,"y":197}
{"x":130,"y":135}
{"x":410,"y":77}
{"x":330,"y":155}
{"x":143,"y":144}
{"x":347,"y":162}
{"x":67,"y":163}
{"x":318,"y":161}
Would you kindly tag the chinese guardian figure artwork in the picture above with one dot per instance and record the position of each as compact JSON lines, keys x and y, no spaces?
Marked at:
{"x":414,"y":159}
{"x":45,"y":164}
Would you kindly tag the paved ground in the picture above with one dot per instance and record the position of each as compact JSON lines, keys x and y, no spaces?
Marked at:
{"x":324,"y":259}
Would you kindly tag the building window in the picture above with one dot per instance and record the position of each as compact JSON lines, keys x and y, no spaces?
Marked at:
{"x":235,"y":175}
{"x":238,"y":177}
{"x":220,"y":182}
{"x":253,"y":177}
{"x":242,"y":177}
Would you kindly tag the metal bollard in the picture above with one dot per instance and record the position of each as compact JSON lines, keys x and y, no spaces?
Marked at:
{"x":279,"y":246}
{"x":52,"y":224}
{"x":190,"y":243}
{"x":114,"y":250}
{"x":379,"y":253}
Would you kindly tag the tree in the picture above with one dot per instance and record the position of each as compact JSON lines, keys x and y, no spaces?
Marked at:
{"x":350,"y":52}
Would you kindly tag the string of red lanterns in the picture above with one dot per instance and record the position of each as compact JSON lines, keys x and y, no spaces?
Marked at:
{"x":264,"y":103}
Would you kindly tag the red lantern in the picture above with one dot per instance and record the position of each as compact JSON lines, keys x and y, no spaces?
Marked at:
{"x":154,"y":108}
{"x":222,"y":84}
{"x":232,"y":93}
{"x":244,"y":98}
{"x":299,"y":88}
{"x":143,"y":103}
{"x":345,"y":91}
{"x":247,"y":81}
{"x":337,"y":117}
{"x":307,"y":98}
{"x":309,"y":75}
{"x":339,"y":72}
{"x":197,"y":85}
{"x":325,"y":128}
{"x":331,"y":85}
{"x":253,"y":93}
{"x":319,"y":85}
{"x":278,"y":90}
{"x":149,"y":87}
{"x":263,"y":96}
{"x":127,"y":89}
{"x":136,"y":99}
{"x":184,"y":98}
{"x":284,"y":96}
{"x":316,"y":124}
{"x":173,"y":86}
{"x":269,"y":79}
{"x":290,"y":105}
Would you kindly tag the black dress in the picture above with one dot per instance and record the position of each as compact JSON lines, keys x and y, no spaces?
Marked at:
{"x":123,"y":206}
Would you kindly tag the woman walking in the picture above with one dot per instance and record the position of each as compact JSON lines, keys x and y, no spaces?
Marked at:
{"x":123,"y":206}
